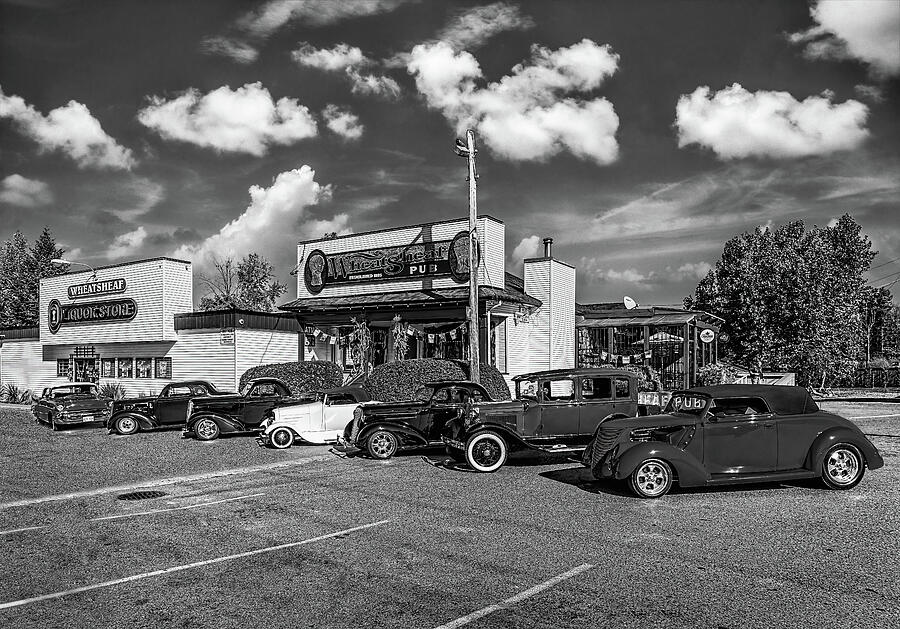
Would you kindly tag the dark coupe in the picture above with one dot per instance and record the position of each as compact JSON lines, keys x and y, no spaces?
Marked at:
{"x":235,"y":412}
{"x":169,"y":408}
{"x":729,"y":434}
{"x":381,"y":429}
{"x":554,"y":411}
{"x":70,"y":404}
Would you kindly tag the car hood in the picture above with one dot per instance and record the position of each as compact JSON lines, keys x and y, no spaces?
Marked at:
{"x":76,"y":403}
{"x":672,"y":419}
{"x":135,"y":400}
{"x":501,"y":406}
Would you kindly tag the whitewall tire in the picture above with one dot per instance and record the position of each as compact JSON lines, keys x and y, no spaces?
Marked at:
{"x":486,"y":452}
{"x":282,"y":438}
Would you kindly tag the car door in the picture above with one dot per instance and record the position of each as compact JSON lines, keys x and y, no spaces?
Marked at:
{"x":172,"y":404}
{"x":444,"y":405}
{"x":559,"y":408}
{"x":337,"y":412}
{"x":597,"y":402}
{"x":259,"y":399}
{"x":740,"y":436}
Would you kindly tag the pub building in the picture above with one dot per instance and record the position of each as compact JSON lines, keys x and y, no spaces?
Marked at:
{"x":404,"y":288}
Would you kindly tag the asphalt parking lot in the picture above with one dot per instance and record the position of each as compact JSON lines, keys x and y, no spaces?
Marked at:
{"x":246,"y":537}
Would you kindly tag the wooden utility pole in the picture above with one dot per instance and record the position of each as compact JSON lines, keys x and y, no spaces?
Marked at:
{"x":467,"y":149}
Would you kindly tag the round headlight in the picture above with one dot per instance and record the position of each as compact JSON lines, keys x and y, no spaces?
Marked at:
{"x":60,"y":407}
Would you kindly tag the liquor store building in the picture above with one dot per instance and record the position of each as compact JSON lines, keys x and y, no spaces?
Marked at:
{"x":407,"y":288}
{"x":132,"y":324}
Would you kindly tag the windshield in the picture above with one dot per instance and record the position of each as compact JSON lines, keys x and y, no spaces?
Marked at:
{"x":690,"y":403}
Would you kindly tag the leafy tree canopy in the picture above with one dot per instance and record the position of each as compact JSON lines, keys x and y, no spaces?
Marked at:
{"x":21,"y":269}
{"x":792,"y":298}
{"x":249,"y":284}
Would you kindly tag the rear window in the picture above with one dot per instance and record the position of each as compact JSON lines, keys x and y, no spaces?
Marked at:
{"x":738,"y":406}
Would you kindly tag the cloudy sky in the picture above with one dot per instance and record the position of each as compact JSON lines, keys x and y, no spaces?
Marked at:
{"x":640,"y":135}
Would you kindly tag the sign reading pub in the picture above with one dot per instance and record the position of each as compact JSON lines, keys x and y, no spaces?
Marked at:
{"x":424,"y":259}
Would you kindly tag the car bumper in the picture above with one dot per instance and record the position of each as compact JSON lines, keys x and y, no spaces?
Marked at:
{"x":453,"y":443}
{"x":74,"y":420}
{"x":344,"y":445}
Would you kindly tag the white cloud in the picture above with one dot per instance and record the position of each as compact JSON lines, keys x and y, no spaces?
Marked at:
{"x":70,"y":129}
{"x":528,"y":247}
{"x":343,"y":122}
{"x":268,"y":224}
{"x":526,"y":115}
{"x":866,"y":30}
{"x":127,"y":243}
{"x":338,"y":58}
{"x":245,"y":120}
{"x":691,"y":270}
{"x":317,"y":228}
{"x":255,"y":27}
{"x":24,"y":192}
{"x":473,"y":27}
{"x":373,"y":84}
{"x":138,"y":196}
{"x":735,"y":123}
{"x":870,"y":92}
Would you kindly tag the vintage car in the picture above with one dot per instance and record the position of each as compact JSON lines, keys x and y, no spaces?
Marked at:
{"x":169,"y":408}
{"x":554,"y":411}
{"x":235,"y":412}
{"x":70,"y":404}
{"x":724,"y":434}
{"x":382,"y":429}
{"x":320,"y":421}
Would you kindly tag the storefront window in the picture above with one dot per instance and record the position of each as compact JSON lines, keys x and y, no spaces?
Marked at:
{"x":126,"y":368}
{"x":108,"y":368}
{"x":164,"y":368}
{"x":62,"y":367}
{"x":143,"y":368}
{"x":498,"y":346}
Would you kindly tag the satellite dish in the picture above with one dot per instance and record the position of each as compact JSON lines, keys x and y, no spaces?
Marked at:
{"x":629,"y":303}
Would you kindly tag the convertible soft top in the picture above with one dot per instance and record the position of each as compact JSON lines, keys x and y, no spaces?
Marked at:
{"x":783,"y":400}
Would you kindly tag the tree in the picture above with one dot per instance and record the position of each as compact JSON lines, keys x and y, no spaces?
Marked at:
{"x":21,"y":270}
{"x":791,"y":298}
{"x":876,"y":306}
{"x":250,"y":285}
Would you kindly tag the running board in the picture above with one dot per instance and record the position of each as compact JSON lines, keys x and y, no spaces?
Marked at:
{"x":557,"y":448}
{"x":760,"y":477}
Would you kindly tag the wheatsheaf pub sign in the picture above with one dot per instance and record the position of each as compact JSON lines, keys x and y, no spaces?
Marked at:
{"x":95,"y":289}
{"x":89,"y":312}
{"x":422,"y":259}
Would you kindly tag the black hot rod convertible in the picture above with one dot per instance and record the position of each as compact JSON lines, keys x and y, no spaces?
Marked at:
{"x":725,"y":434}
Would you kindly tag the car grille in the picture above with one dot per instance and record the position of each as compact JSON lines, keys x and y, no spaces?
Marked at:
{"x":601,"y":444}
{"x":81,"y":415}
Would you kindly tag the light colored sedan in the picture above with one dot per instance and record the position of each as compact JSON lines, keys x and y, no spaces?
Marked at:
{"x":318,"y":422}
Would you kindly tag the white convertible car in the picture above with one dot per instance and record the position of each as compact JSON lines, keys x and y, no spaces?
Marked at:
{"x":318,"y":422}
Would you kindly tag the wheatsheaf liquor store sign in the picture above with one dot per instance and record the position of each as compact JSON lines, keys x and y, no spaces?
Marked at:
{"x":95,"y":289}
{"x":426,"y":259}
{"x":89,"y":312}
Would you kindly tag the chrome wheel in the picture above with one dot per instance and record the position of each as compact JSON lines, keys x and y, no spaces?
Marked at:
{"x":282,"y":438}
{"x":382,"y":444}
{"x":486,"y":452}
{"x":206,"y":430}
{"x":843,"y":467}
{"x":126,"y":426}
{"x":651,"y":479}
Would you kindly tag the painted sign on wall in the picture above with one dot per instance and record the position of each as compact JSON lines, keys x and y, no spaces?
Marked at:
{"x":423,"y":259}
{"x":95,"y":289}
{"x":89,"y":312}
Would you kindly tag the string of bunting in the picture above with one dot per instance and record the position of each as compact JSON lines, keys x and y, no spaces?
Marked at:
{"x":621,"y":359}
{"x":429,"y":337}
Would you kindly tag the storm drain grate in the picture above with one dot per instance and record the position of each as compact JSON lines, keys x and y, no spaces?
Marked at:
{"x":142,"y":495}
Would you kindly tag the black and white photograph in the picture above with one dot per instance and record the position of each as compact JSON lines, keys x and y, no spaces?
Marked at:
{"x":442,"y":314}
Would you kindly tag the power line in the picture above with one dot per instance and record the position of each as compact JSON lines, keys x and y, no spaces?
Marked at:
{"x":885,"y":277}
{"x":878,"y":266}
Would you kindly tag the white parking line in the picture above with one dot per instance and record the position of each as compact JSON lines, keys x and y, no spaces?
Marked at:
{"x":22,"y":530}
{"x":196,"y":564}
{"x":89,"y":493}
{"x":875,"y":416}
{"x":490,"y":609}
{"x":154,"y":511}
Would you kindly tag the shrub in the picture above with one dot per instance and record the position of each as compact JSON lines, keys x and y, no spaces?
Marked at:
{"x":714,"y":373}
{"x":399,"y":381}
{"x":11,"y":394}
{"x":300,"y":377}
{"x":113,"y":390}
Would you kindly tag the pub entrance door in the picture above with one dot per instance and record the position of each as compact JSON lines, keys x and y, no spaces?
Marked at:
{"x":86,"y":370}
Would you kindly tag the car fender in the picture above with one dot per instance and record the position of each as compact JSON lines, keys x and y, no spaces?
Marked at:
{"x":143,"y":420}
{"x":841,"y":434}
{"x":410,"y":436}
{"x":226,"y":423}
{"x":690,"y":471}
{"x":511,"y":437}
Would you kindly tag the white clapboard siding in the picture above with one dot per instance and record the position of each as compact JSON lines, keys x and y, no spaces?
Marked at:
{"x":158,"y":287}
{"x":562,"y":316}
{"x":492,"y":272}
{"x":262,"y":347}
{"x":22,"y":365}
{"x":201,"y":354}
{"x":537,"y":284}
